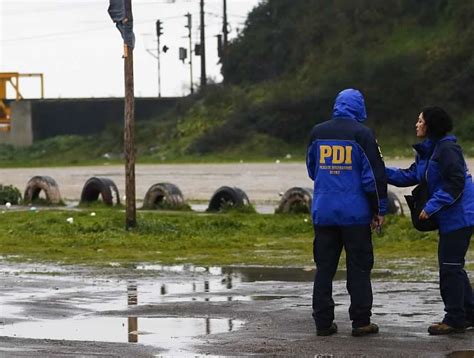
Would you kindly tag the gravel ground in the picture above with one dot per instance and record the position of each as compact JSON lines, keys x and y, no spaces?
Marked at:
{"x":261,"y":181}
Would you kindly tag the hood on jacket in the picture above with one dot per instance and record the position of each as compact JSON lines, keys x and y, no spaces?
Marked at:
{"x":350,"y":104}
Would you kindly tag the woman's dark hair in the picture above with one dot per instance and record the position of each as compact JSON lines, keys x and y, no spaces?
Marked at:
{"x":438,"y":122}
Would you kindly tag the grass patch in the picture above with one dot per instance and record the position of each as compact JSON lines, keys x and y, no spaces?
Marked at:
{"x":202,"y":239}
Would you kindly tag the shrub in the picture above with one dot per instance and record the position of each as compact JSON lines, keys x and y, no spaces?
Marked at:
{"x":9,"y":194}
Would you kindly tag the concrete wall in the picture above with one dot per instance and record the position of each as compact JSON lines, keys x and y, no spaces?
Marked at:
{"x":21,"y":132}
{"x":34,"y":120}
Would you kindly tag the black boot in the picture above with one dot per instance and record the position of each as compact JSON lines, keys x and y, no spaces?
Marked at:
{"x":327,"y":331}
{"x":371,"y":328}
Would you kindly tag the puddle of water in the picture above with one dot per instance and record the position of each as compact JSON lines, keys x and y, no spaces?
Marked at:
{"x":270,"y":298}
{"x":287,"y":274}
{"x":241,"y":274}
{"x":177,"y":283}
{"x":256,"y":273}
{"x":155,"y":293}
{"x":106,"y":296}
{"x":171,"y":334}
{"x":30,"y":296}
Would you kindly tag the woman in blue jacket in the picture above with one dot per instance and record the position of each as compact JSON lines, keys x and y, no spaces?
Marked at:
{"x":440,"y":161}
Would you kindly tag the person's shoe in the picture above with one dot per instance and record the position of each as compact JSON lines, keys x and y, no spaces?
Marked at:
{"x":469,"y":324}
{"x":328,"y":331}
{"x":371,"y":328}
{"x":442,"y":328}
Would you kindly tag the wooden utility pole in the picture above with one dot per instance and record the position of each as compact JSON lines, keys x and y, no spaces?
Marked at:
{"x":129,"y":146}
{"x":203,"y":48}
{"x":159,"y":32}
{"x":121,"y":13}
{"x":189,"y":27}
{"x":225,"y":30}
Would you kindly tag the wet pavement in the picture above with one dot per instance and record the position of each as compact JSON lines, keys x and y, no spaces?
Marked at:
{"x":151,"y":310}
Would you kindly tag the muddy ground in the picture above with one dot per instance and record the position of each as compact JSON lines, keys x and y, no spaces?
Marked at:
{"x":145,"y":311}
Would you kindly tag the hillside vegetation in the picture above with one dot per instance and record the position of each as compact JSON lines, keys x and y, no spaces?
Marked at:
{"x":284,"y":70}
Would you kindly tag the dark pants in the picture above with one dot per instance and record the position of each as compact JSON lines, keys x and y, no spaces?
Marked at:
{"x":327,"y":247}
{"x":455,"y":287}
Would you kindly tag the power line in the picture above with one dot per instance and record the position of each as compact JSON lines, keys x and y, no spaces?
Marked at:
{"x":41,"y":7}
{"x":77,"y":32}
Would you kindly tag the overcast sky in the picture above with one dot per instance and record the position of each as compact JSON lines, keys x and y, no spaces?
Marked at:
{"x":79,"y":50}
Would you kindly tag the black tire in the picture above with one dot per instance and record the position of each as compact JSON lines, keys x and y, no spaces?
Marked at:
{"x":99,"y":186}
{"x":394,"y":205}
{"x":163,"y":196}
{"x":295,"y":200}
{"x":228,"y":197}
{"x":42,"y":183}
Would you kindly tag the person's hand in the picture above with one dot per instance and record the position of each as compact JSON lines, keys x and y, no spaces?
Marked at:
{"x":377,"y":222}
{"x":423,"y":215}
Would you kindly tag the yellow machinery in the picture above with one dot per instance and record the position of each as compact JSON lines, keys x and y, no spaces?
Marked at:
{"x":12,"y":78}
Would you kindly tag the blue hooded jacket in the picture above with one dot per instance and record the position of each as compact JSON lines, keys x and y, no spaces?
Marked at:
{"x":450,"y":185}
{"x":350,"y":104}
{"x":345,"y":163}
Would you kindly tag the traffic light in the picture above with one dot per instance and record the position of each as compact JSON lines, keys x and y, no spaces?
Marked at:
{"x":183,"y":54}
{"x":197,"y":49}
{"x":159,"y":28}
{"x":220,"y":51}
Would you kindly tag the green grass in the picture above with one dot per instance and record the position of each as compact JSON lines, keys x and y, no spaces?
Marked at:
{"x":197,"y":238}
{"x":164,"y":237}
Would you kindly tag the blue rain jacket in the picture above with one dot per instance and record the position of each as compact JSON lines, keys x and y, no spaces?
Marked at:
{"x":449,"y":182}
{"x":346,"y":165}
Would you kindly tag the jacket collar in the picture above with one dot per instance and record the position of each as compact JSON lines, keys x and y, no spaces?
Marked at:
{"x":425,"y":148}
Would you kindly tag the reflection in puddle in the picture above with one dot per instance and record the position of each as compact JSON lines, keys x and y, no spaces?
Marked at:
{"x":168,"y":333}
{"x":132,"y":300}
{"x":186,"y":292}
{"x":132,"y":294}
{"x":269,"y":298}
{"x":255,"y":273}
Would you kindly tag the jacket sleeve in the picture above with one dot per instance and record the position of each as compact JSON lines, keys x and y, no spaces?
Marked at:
{"x":376,"y":188}
{"x":311,"y":157}
{"x":402,"y":177}
{"x":452,"y":169}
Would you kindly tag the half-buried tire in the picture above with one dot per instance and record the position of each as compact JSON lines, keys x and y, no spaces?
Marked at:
{"x":295,"y":200}
{"x":164,"y":196}
{"x":41,"y":183}
{"x":298,"y":200}
{"x":394,"y":205}
{"x":96,"y":187}
{"x":227,"y":197}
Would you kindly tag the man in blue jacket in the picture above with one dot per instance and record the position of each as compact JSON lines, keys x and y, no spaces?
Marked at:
{"x":350,"y":197}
